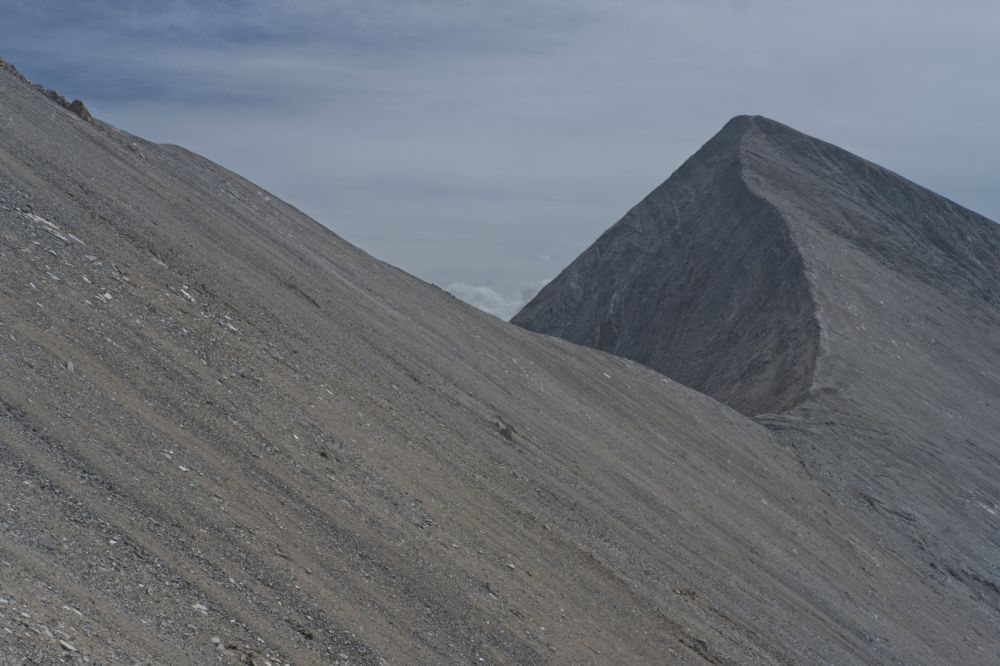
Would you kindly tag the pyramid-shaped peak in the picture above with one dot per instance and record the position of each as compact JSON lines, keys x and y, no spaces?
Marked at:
{"x":725,"y":276}
{"x":699,"y":251}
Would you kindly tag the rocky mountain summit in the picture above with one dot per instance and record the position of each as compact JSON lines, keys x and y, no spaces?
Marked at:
{"x":714,"y":278}
{"x":229,"y":436}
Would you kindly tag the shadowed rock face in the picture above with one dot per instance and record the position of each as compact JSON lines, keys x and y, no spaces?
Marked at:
{"x":226,"y":434}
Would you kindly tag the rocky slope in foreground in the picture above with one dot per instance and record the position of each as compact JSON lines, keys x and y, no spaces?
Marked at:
{"x":228,"y":436}
{"x":856,"y":313}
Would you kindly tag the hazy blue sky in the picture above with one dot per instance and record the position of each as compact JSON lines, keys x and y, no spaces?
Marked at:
{"x":482,"y":145}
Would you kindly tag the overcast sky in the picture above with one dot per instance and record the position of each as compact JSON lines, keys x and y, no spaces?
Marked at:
{"x":482,"y":145}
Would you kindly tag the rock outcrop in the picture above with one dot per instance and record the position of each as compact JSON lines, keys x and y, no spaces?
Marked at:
{"x":78,"y":107}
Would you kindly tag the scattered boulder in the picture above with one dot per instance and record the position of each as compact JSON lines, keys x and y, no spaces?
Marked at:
{"x":80,"y":109}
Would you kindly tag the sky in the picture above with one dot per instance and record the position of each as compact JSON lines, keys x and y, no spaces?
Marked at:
{"x":481,"y":145}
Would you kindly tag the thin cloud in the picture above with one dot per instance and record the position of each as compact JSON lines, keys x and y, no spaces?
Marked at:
{"x":500,"y":305}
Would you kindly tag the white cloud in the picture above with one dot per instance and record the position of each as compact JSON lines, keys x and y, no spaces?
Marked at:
{"x":502,"y":305}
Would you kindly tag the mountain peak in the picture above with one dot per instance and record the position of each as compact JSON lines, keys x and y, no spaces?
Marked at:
{"x":666,"y":285}
{"x":739,"y":126}
{"x":712,"y":279}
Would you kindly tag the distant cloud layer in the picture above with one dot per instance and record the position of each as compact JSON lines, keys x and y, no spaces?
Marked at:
{"x":469,"y":141}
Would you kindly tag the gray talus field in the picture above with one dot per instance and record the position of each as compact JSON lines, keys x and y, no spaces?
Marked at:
{"x":854,"y":312}
{"x":229,"y":436}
